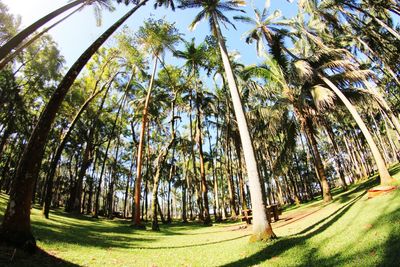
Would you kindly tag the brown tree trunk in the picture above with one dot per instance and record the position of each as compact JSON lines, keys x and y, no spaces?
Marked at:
{"x":138,"y":181}
{"x":338,"y":157}
{"x":326,"y":193}
{"x":204,"y":187}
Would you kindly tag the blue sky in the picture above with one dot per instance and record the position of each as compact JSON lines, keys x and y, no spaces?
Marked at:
{"x":79,"y":31}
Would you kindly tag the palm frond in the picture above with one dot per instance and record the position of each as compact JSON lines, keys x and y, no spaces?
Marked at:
{"x":323,"y":97}
{"x":304,"y":69}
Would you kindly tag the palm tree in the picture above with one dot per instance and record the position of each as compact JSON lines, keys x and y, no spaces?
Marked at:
{"x":262,"y":28}
{"x":14,"y":42}
{"x":156,"y":37}
{"x":293,"y":95}
{"x":212,"y":10}
{"x":195,"y":58}
{"x":314,"y":68}
{"x":316,"y":60}
{"x":16,"y":228}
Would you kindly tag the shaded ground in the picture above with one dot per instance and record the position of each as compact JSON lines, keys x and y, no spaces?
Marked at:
{"x":351,"y":231}
{"x":14,"y":257}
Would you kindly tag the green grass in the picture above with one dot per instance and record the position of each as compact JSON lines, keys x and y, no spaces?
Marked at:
{"x":351,"y":231}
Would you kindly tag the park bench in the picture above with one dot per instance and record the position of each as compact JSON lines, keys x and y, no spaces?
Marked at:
{"x":247,"y":216}
{"x":272,"y":211}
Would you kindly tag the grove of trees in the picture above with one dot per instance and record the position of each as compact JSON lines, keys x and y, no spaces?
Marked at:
{"x":158,"y":127}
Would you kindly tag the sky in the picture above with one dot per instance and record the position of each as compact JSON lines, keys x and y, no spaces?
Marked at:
{"x":76,"y":33}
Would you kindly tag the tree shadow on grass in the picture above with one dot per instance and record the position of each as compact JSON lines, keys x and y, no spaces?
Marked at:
{"x":346,"y":196}
{"x":195,"y":245}
{"x":11,"y":257}
{"x":90,"y":235}
{"x":395,"y":169}
{"x":281,"y":245}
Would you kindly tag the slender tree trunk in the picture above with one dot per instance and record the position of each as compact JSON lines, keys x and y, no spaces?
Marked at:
{"x":76,"y":197}
{"x":215,"y":181}
{"x":241,"y":181}
{"x":185,"y":185}
{"x":326,"y":193}
{"x":20,"y":48}
{"x":192,"y":140}
{"x":160,"y":165}
{"x":352,"y":157}
{"x":262,"y":229}
{"x":91,"y":187}
{"x":338,"y":157}
{"x":112,"y":182}
{"x":138,"y":181}
{"x":21,"y":36}
{"x":383,"y":172}
{"x":204,"y":187}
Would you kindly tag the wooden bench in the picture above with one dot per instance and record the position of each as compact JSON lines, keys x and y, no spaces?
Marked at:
{"x":272,"y":211}
{"x":247,"y":216}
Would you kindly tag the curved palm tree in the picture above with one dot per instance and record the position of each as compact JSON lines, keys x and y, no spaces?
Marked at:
{"x":16,"y":228}
{"x":363,"y":38}
{"x":213,"y":11}
{"x":314,"y":68}
{"x":316,"y":60}
{"x":14,"y":42}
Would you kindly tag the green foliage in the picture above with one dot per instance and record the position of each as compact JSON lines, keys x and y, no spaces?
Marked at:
{"x":9,"y":24}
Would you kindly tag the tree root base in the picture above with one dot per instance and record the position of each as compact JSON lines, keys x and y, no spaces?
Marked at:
{"x":138,"y":226}
{"x":380,"y":190}
{"x":265,"y":236}
{"x":23,"y":241}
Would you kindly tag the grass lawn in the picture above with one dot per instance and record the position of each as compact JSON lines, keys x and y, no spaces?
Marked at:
{"x":351,"y":231}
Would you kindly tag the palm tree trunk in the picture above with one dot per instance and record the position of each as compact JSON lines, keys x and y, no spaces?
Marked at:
{"x":338,"y":157}
{"x":91,"y":186}
{"x":204,"y":187}
{"x":97,"y":201}
{"x":18,"y":50}
{"x":16,"y":228}
{"x":21,"y":36}
{"x":242,"y":195}
{"x":228,"y":173}
{"x":113,"y":181}
{"x":160,"y":165}
{"x":262,"y":229}
{"x":383,"y":172}
{"x":138,"y":181}
{"x":326,"y":194}
{"x":215,"y":181}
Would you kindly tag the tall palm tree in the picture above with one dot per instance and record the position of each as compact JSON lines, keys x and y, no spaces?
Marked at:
{"x":14,"y":42}
{"x":16,"y":228}
{"x":195,"y":58}
{"x":213,"y":11}
{"x":155,"y":37}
